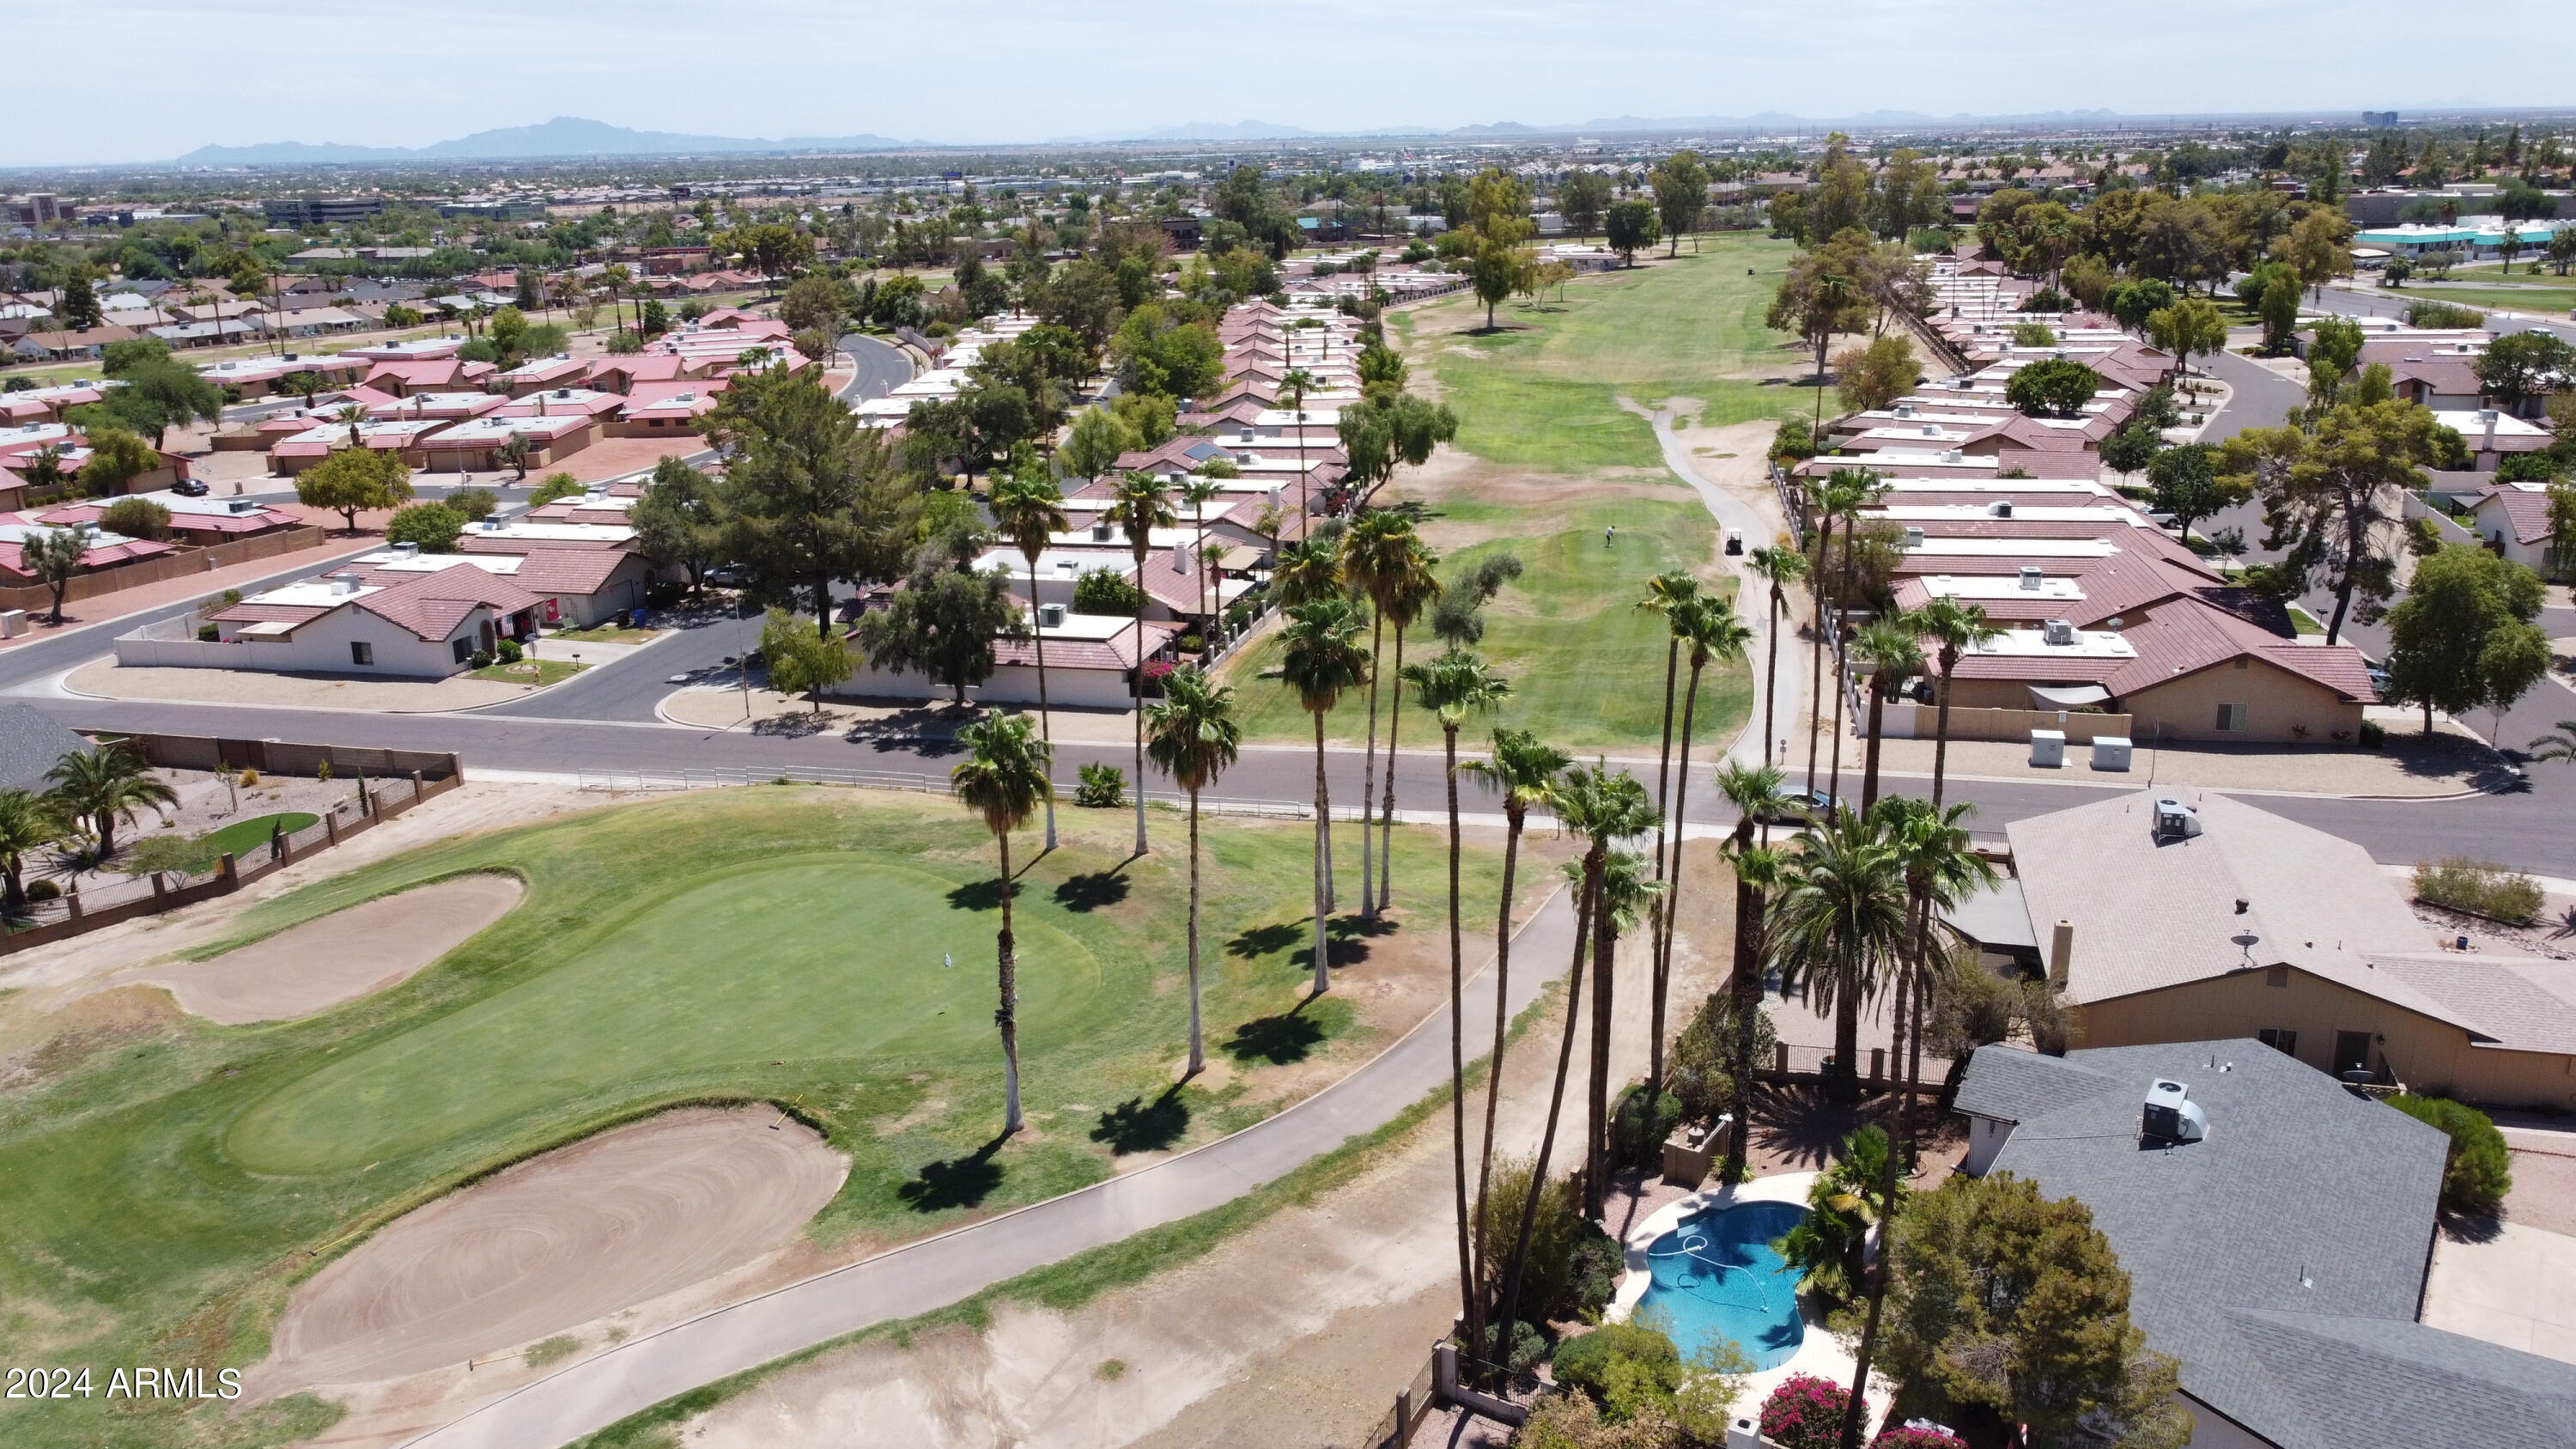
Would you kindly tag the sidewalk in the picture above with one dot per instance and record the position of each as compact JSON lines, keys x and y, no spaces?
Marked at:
{"x":2450,"y":763}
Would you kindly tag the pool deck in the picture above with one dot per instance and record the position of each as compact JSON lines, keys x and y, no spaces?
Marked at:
{"x":1820,"y":1353}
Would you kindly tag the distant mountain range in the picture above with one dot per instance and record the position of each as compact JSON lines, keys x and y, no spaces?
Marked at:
{"x":562,"y":136}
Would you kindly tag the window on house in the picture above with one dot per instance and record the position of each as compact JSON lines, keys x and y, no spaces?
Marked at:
{"x":2280,"y":1039}
{"x":2276,"y":975}
{"x":463,"y":649}
{"x":362,"y":653}
{"x":2231,"y":718}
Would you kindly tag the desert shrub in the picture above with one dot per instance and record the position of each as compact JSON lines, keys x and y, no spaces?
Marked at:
{"x":249,"y":778}
{"x":1101,"y":787}
{"x":1637,"y":1133}
{"x":482,"y":660}
{"x":1105,"y":591}
{"x":136,"y":518}
{"x":434,"y":527}
{"x":2479,"y":1171}
{"x":1805,"y":1412}
{"x":1547,"y":1274}
{"x":1625,"y":1367}
{"x":1703,"y":1056}
{"x":43,"y":890}
{"x":2480,"y":888}
{"x":1573,"y":1421}
{"x":1192,"y":643}
{"x":1596,"y":1267}
{"x":2443,"y":315}
{"x":509,"y":651}
{"x":474,"y":504}
{"x":2374,"y":735}
{"x":1526,"y":1350}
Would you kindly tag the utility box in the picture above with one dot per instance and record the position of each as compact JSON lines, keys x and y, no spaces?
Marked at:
{"x":13,"y":622}
{"x":2048,"y":749}
{"x":2111,"y":752}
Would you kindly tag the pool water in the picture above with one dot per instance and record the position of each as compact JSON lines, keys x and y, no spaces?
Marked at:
{"x":1715,"y":1277}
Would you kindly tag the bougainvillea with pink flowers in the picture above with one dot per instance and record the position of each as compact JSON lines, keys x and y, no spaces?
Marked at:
{"x":1902,"y":1437}
{"x":1805,"y":1412}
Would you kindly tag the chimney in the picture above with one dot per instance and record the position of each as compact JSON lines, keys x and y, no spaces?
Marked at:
{"x":2061,"y":951}
{"x":2488,"y":417}
{"x":1180,"y":559}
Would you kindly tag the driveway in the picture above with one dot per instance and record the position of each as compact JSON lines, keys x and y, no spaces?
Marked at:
{"x":2517,"y":1289}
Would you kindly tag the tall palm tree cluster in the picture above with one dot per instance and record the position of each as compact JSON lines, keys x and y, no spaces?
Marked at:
{"x":1848,"y":908}
{"x":93,"y":793}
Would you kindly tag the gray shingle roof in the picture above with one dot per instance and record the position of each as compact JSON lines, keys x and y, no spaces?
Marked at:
{"x":30,"y":743}
{"x":2297,"y":1179}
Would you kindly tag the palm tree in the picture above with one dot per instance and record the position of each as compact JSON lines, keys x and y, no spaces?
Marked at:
{"x":1753,"y":790}
{"x":1941,"y":871}
{"x":1777,"y":566}
{"x":1954,"y":628}
{"x":1307,"y":570}
{"x":1452,"y":687}
{"x":1028,"y":509}
{"x":1194,"y":738}
{"x":352,"y":415}
{"x":1840,"y":927}
{"x":1414,"y":587}
{"x":1002,"y":778}
{"x":102,"y":786}
{"x":27,"y":824}
{"x":1664,"y":593}
{"x":1894,"y":653}
{"x":1524,"y":768}
{"x":1373,"y":552}
{"x":1196,"y":491}
{"x":1296,"y":385}
{"x":1844,"y":495}
{"x":2558,"y":744}
{"x":1709,"y":626}
{"x":1140,"y":506}
{"x":1320,"y":658}
{"x":1605,"y":808}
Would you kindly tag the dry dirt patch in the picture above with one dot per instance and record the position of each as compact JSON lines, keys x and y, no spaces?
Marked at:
{"x":339,"y":958}
{"x":553,"y":1243}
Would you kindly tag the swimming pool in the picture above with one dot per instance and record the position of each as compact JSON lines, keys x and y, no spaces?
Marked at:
{"x":1716,"y":1277}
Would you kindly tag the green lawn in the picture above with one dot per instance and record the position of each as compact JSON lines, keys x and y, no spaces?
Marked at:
{"x":1586,"y":666}
{"x":602,"y":634}
{"x":1541,"y":390}
{"x":243,"y":836}
{"x":165,"y":1186}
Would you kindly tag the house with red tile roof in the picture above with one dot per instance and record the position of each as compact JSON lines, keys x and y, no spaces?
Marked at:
{"x":428,"y":621}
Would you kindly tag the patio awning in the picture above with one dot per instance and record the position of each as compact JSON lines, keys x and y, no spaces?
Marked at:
{"x":2068,"y":696}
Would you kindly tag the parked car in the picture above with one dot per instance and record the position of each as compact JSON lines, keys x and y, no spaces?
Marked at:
{"x":728,"y":577}
{"x":1793,"y":804}
{"x":189,"y":488}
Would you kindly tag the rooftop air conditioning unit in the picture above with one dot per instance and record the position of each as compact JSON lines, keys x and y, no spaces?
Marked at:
{"x":1050,"y":616}
{"x":1249,"y":436}
{"x":1913,"y":538}
{"x":406,"y":550}
{"x":1931,"y":430}
{"x":2175,"y":820}
{"x":2058,"y":631}
{"x":2000,"y":508}
{"x":1100,"y":531}
{"x":2170,"y":1115}
{"x":1952,"y":455}
{"x":1905,"y":410}
{"x":242,"y":505}
{"x":2030,"y":578}
{"x":344,"y":583}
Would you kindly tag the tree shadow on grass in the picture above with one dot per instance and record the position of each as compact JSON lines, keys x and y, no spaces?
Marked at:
{"x":1136,"y":1125}
{"x":981,"y":895}
{"x":956,"y":1182}
{"x":1259,"y":941}
{"x":1277,"y":1040}
{"x":1348,"y":938}
{"x":1092,"y":890}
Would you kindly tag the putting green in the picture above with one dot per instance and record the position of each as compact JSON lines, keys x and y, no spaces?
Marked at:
{"x":848,"y":965}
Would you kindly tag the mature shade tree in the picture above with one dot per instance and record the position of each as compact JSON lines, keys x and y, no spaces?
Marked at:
{"x":1400,"y":431}
{"x":943,"y":623}
{"x":2133,"y":301}
{"x":105,"y":786}
{"x":1871,"y":377}
{"x":1194,"y":738}
{"x":1092,"y":446}
{"x":813,"y":497}
{"x":2326,"y":490}
{"x":1680,"y":185}
{"x":2053,"y":387}
{"x":2463,"y":638}
{"x":2189,"y":328}
{"x":2521,"y":367}
{"x":160,"y":394}
{"x":1454,"y":686}
{"x":1816,"y":300}
{"x":54,"y":556}
{"x":1002,"y":779}
{"x":1583,"y":198}
{"x":430,"y":527}
{"x":2337,"y":346}
{"x":2008,"y":1303}
{"x":1028,"y":510}
{"x":1321,"y":658}
{"x":1631,"y":227}
{"x":679,"y":522}
{"x":798,"y":660}
{"x":2185,"y":482}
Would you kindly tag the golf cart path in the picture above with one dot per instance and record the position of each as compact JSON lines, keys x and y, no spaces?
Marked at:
{"x":934,"y":1272}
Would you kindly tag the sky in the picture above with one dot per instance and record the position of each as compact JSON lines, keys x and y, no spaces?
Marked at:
{"x":137,"y":80}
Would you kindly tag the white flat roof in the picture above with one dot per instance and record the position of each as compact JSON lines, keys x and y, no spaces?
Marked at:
{"x":2022,"y":513}
{"x":2033,"y":644}
{"x":314,"y":593}
{"x":1998,"y":586}
{"x":2008,"y":547}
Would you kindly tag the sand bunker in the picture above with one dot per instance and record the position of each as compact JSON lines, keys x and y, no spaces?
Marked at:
{"x":339,"y":958}
{"x":553,"y":1243}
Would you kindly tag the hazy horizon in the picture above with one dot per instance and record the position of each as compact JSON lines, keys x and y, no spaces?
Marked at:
{"x":1017,"y":73}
